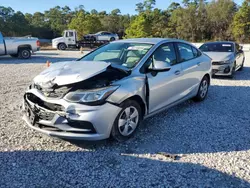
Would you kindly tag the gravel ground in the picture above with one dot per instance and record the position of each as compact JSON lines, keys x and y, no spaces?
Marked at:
{"x":210,"y":140}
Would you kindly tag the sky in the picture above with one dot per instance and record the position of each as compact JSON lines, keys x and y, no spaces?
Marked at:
{"x":126,"y":6}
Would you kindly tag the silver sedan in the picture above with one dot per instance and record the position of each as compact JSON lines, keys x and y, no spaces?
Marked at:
{"x":111,"y":90}
{"x":227,"y":57}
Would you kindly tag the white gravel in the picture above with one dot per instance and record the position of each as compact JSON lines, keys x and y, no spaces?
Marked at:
{"x":211,"y":140}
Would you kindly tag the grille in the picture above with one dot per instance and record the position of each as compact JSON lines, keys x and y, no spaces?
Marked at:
{"x":217,"y":63}
{"x":46,"y":115}
{"x":50,"y":106}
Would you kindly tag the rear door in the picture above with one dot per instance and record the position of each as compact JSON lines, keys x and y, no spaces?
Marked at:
{"x":2,"y":45}
{"x":192,"y":67}
{"x":164,"y":87}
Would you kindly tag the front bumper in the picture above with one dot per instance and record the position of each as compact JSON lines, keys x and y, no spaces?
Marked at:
{"x":54,"y":44}
{"x":222,"y":70}
{"x":76,"y":121}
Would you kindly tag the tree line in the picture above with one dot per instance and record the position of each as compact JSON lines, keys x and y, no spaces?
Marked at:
{"x":192,"y":20}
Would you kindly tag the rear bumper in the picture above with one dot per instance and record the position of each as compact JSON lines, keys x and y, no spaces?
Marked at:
{"x":78,"y":121}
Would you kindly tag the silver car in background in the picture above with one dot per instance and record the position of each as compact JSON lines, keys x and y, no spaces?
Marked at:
{"x":227,"y":57}
{"x":102,"y":35}
{"x":111,"y":90}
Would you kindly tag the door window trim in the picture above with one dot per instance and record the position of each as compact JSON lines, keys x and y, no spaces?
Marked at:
{"x":143,"y":67}
{"x":179,"y":55}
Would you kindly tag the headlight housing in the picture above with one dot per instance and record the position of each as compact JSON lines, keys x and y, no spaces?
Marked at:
{"x":227,"y":61}
{"x":95,"y":96}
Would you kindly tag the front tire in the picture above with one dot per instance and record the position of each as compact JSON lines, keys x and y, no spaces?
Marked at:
{"x":62,"y":46}
{"x":24,"y":53}
{"x":233,"y":71}
{"x":242,"y":66}
{"x":127,"y":121}
{"x":203,"y":90}
{"x":112,"y":39}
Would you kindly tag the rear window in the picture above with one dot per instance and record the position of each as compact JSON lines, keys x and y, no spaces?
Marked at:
{"x":217,"y":47}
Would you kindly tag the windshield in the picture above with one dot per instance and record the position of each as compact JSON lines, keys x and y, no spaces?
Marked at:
{"x":124,"y":54}
{"x":217,"y":47}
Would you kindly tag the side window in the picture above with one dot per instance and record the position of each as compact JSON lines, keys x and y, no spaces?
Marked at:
{"x":185,"y":51}
{"x":69,"y":34}
{"x":165,"y":53}
{"x":196,"y":52}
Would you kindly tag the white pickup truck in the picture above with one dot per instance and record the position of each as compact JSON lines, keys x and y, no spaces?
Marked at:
{"x":20,"y":47}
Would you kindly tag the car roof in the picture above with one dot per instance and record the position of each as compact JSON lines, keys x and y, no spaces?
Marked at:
{"x":151,"y":40}
{"x":218,"y":42}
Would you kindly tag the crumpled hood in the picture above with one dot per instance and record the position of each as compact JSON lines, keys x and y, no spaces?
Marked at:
{"x":64,"y":73}
{"x":220,"y":56}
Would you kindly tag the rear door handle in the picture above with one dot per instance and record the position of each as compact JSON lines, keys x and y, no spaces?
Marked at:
{"x":177,"y":72}
{"x":198,"y":63}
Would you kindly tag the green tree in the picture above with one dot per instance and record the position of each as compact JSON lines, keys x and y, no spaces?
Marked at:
{"x":220,"y":16}
{"x":85,"y":24}
{"x":241,"y":23}
{"x":140,"y":27}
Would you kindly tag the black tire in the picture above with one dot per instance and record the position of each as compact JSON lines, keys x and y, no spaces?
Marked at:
{"x":200,"y":95}
{"x":116,"y":131}
{"x":62,"y":46}
{"x":242,"y":66}
{"x":233,"y":71}
{"x":112,"y":39}
{"x":14,"y":55}
{"x":24,"y":53}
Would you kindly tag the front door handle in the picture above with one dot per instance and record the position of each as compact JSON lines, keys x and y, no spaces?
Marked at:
{"x":198,"y":63}
{"x":177,"y":72}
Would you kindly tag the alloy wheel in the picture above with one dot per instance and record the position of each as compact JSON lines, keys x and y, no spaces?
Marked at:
{"x":128,"y":121}
{"x":203,"y":88}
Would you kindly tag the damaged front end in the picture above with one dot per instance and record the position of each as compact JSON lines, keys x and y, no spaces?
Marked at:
{"x":74,"y":110}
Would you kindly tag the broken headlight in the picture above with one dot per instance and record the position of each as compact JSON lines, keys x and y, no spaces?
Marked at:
{"x":90,"y":96}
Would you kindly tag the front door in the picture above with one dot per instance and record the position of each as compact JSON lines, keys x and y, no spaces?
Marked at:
{"x":164,"y":87}
{"x":70,"y":38}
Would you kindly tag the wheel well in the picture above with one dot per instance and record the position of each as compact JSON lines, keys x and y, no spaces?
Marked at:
{"x":24,"y":46}
{"x":139,"y":100}
{"x":208,"y":77}
{"x":60,"y":43}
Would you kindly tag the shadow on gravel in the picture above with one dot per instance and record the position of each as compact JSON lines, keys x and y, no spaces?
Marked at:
{"x":88,"y":169}
{"x":38,"y":59}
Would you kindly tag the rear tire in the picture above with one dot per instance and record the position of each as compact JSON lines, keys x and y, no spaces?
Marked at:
{"x":112,"y":39}
{"x":203,"y":90}
{"x":24,"y":53}
{"x":127,"y":121}
{"x":62,"y":46}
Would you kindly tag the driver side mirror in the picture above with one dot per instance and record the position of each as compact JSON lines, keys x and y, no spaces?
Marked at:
{"x":159,"y":66}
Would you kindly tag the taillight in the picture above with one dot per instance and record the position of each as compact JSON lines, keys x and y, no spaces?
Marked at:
{"x":38,"y":43}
